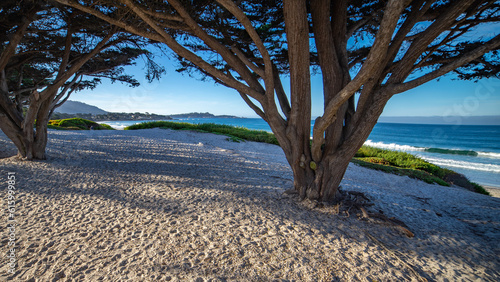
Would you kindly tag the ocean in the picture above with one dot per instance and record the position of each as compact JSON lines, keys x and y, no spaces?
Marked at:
{"x":472,"y":150}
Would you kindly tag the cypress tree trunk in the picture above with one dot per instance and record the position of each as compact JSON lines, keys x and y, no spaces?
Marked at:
{"x":14,"y":133}
{"x":29,"y":135}
{"x":320,"y":180}
{"x":40,"y":140}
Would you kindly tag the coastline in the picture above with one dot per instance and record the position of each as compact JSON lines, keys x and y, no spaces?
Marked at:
{"x":163,"y":205}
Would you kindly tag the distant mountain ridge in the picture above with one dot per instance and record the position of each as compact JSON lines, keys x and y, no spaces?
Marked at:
{"x":75,"y":107}
{"x":71,"y":109}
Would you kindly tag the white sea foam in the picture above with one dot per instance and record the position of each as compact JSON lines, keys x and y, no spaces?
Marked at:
{"x":119,"y":127}
{"x":115,"y":125}
{"x":443,"y":162}
{"x":405,"y":148}
{"x":464,"y":165}
{"x":489,"y":155}
{"x":392,"y":146}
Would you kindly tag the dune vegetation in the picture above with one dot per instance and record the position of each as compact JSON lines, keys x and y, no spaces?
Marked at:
{"x":234,"y":133}
{"x":77,"y":124}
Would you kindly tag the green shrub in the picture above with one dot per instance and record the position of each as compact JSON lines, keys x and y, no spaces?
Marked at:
{"x":412,"y":173}
{"x":77,"y":124}
{"x":103,"y":126}
{"x":400,"y":159}
{"x":406,"y":164}
{"x":480,"y":189}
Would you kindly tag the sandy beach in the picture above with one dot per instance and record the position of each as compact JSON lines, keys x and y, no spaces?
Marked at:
{"x":494,"y":191}
{"x":163,"y":205}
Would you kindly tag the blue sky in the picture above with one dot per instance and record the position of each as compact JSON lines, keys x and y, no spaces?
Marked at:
{"x":177,"y":93}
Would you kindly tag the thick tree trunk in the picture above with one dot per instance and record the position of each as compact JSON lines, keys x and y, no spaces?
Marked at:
{"x":24,"y":140}
{"x":320,"y":180}
{"x":30,"y":146}
{"x":40,"y":140}
{"x":329,"y":175}
{"x":299,"y":122}
{"x":30,"y":139}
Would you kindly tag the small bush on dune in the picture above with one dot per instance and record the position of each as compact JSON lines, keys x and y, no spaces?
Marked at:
{"x":480,"y":189}
{"x":77,"y":124}
{"x":103,"y":126}
{"x":412,"y":173}
{"x":410,"y":165}
{"x":399,"y":159}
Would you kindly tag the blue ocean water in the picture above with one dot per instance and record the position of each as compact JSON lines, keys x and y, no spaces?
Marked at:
{"x":472,"y":150}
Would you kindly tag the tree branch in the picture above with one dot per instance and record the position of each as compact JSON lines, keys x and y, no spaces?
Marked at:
{"x":280,"y":93}
{"x":249,"y":102}
{"x":243,"y":19}
{"x":55,"y":103}
{"x":10,"y":49}
{"x":260,"y":72}
{"x":190,"y":56}
{"x":454,"y":64}
{"x":352,"y":29}
{"x":122,"y":25}
{"x":65,"y":89}
{"x":413,"y":18}
{"x":254,"y":107}
{"x":420,"y":44}
{"x":163,"y":16}
{"x":60,"y":80}
{"x":268,"y":65}
{"x":211,"y":42}
{"x":373,"y":62}
{"x":67,"y":48}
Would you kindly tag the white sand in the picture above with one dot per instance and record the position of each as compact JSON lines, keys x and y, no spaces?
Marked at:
{"x":494,"y":191}
{"x":162,"y":205}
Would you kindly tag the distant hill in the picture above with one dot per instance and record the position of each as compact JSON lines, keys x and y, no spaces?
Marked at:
{"x":112,"y":116}
{"x":74,"y":107}
{"x":201,"y":115}
{"x":450,"y":120}
{"x":71,"y":109}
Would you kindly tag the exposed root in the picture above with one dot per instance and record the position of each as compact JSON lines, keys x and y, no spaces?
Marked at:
{"x":352,"y":202}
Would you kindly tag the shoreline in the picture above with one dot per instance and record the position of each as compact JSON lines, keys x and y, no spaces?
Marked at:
{"x":163,"y":205}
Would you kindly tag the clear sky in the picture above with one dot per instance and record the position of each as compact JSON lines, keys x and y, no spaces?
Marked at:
{"x":177,"y":93}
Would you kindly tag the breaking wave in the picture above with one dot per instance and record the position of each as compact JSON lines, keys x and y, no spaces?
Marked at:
{"x":405,"y":148}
